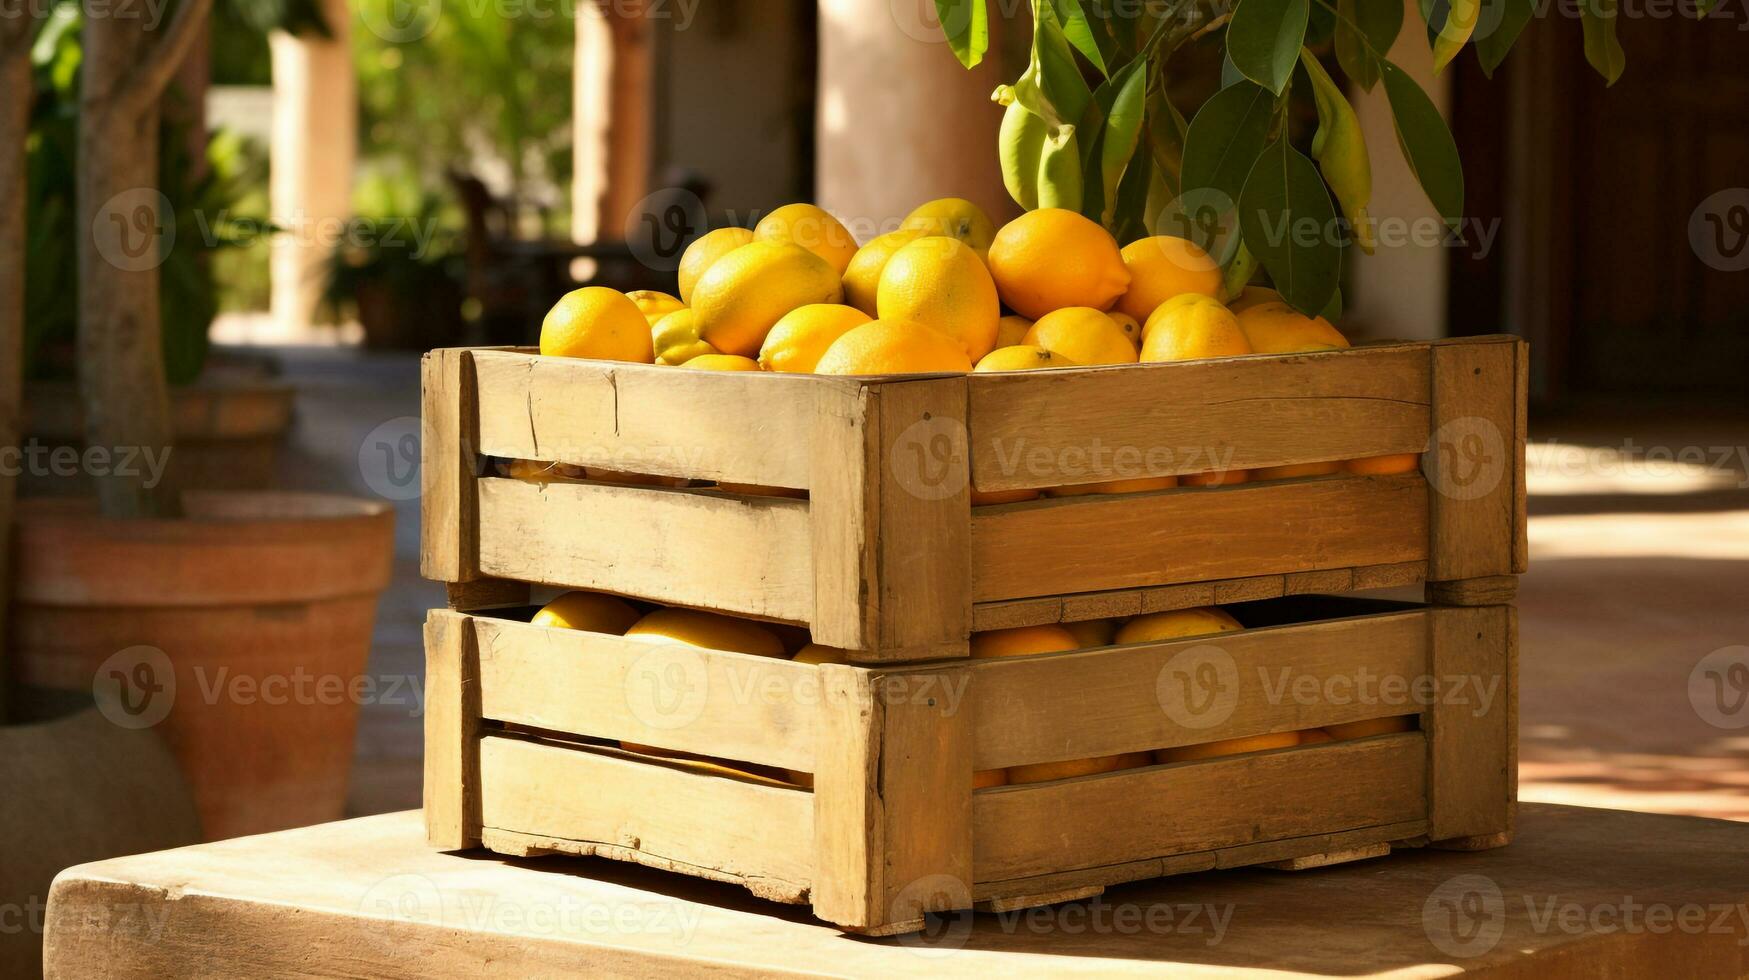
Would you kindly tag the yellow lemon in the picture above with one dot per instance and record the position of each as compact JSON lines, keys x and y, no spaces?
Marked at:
{"x":1187,"y":330}
{"x":712,"y":631}
{"x":535,"y":471}
{"x":811,"y":227}
{"x":721,"y":362}
{"x":1138,"y":484}
{"x":1041,"y":772}
{"x":1314,"y":736}
{"x":747,"y":291}
{"x":1011,"y":330}
{"x":797,"y":342}
{"x":1215,"y":478}
{"x":954,"y":217}
{"x":1177,"y":623}
{"x":941,"y":283}
{"x":654,"y":305}
{"x":589,"y":611}
{"x":1083,"y":335}
{"x":676,"y":338}
{"x":596,"y":322}
{"x":1052,"y":258}
{"x":1277,"y":328}
{"x":1021,"y":640}
{"x":862,"y":279}
{"x":1384,"y":465}
{"x":1022,"y":358}
{"x":1131,"y":329}
{"x":1162,"y":267}
{"x":816,"y":653}
{"x":1228,"y":746}
{"x":1295,"y":470}
{"x":894,"y":347}
{"x":1093,"y":632}
{"x":981,"y":498}
{"x":704,"y":251}
{"x":1253,"y":296}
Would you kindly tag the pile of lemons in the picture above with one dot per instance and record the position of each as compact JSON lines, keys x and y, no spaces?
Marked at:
{"x":946,"y":292}
{"x":600,"y":613}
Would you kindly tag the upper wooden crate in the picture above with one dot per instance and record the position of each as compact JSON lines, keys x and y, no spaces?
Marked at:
{"x":886,"y":556}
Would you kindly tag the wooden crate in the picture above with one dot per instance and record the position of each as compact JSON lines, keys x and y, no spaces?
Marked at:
{"x":887,"y":557}
{"x":521,"y":721}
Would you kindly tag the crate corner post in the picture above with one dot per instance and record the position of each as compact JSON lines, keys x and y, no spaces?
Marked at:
{"x":449,"y":513}
{"x":452,"y":732}
{"x":1472,"y":742}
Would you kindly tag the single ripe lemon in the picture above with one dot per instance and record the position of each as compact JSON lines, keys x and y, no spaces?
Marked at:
{"x":954,"y":217}
{"x":1192,"y":327}
{"x":704,"y":251}
{"x":1228,"y":746}
{"x":1162,"y":267}
{"x":1052,"y":258}
{"x":713,"y":631}
{"x":654,"y":305}
{"x":1131,"y":329}
{"x":894,"y":347}
{"x":747,"y":291}
{"x":1083,"y":335}
{"x":1176,"y":623}
{"x":1293,"y":471}
{"x":1253,"y":296}
{"x":1022,"y":357}
{"x":862,"y":278}
{"x":676,"y":338}
{"x":941,"y":283}
{"x":819,"y":653}
{"x":1388,"y":465}
{"x":811,"y":227}
{"x":596,"y":322}
{"x":796,"y":343}
{"x":1136,"y":484}
{"x":1019,"y":641}
{"x":1093,"y":632}
{"x":589,"y":611}
{"x":721,"y":362}
{"x":1277,"y":328}
{"x":1011,"y":330}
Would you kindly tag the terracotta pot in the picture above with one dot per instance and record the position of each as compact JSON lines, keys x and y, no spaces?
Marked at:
{"x":239,"y":632}
{"x":228,"y":430}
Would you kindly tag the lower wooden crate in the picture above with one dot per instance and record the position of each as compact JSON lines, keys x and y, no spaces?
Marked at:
{"x":523,"y":724}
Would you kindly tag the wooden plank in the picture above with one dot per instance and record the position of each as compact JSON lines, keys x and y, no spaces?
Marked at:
{"x":740,"y":428}
{"x":452,"y":733}
{"x":1038,"y":429}
{"x":1469,"y":735}
{"x":1086,"y":544}
{"x":486,"y":593}
{"x":1494,"y":590}
{"x":1390,"y":576}
{"x":1143,"y":696}
{"x":534,"y":845}
{"x":447,"y":541}
{"x":1472,"y":466}
{"x":893,"y":797}
{"x":708,"y":702}
{"x":1326,"y":859}
{"x":844,"y":519}
{"x":921,"y":593}
{"x":743,"y":829}
{"x":736,"y":554}
{"x":1521,"y":433}
{"x":1020,"y":831}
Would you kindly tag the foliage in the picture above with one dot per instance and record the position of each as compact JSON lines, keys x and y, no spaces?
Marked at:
{"x":202,"y":204}
{"x":1091,"y":124}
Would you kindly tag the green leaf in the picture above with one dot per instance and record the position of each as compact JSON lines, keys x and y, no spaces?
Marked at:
{"x":1264,"y":40}
{"x":1052,"y":85}
{"x":1130,"y":221}
{"x":1077,"y":31}
{"x":1426,"y":143}
{"x":1332,"y":310}
{"x":967,"y":26}
{"x":1502,"y":22}
{"x":1602,"y":48}
{"x":1166,"y":135}
{"x":1365,"y":30}
{"x":1123,"y":130}
{"x":1226,"y":136}
{"x":1288,"y":222}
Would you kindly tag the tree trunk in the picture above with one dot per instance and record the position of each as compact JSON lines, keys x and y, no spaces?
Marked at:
{"x":15,"y":98}
{"x":125,"y":232}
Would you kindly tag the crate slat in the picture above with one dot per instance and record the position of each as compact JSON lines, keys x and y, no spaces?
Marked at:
{"x":1059,"y":428}
{"x":1475,"y":461}
{"x":1087,"y":544}
{"x":750,"y":556}
{"x":1472,"y":744}
{"x":754,"y":428}
{"x":1131,"y":698}
{"x":708,"y":702}
{"x":741,"y":829}
{"x":452,"y":732}
{"x":1121,"y":817}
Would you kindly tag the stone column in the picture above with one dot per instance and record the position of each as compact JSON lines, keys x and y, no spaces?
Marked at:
{"x":315,"y":126}
{"x":899,"y":120}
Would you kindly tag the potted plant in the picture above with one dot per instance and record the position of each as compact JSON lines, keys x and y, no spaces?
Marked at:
{"x":406,"y":292}
{"x":235,"y":624}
